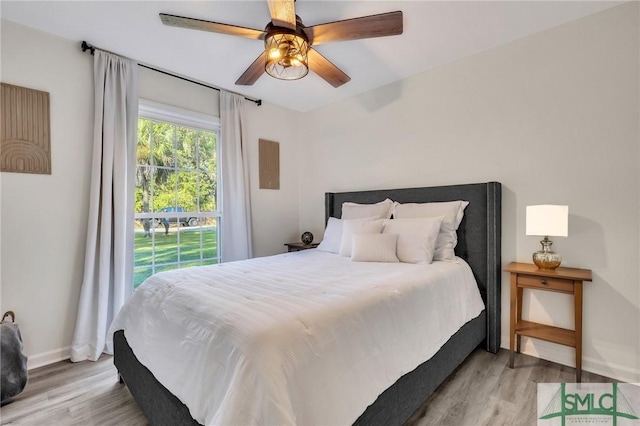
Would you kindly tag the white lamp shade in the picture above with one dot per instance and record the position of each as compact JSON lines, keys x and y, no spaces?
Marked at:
{"x":548,"y":220}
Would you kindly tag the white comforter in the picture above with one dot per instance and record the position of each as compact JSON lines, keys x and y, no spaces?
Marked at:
{"x":307,"y":338}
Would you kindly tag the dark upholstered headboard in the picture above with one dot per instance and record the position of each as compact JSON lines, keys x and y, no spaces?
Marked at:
{"x":478,"y":234}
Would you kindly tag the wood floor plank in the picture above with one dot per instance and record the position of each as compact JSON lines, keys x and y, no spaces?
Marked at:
{"x":482,"y":391}
{"x":485,"y":391}
{"x":74,"y":394}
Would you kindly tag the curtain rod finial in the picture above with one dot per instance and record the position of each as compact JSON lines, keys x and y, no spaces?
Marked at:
{"x":86,"y":46}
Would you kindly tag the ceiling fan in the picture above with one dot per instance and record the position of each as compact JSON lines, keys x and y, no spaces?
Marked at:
{"x":288,"y":53}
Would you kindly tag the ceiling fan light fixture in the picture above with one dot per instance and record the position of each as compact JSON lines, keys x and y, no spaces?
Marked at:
{"x":286,"y":57}
{"x":288,"y":54}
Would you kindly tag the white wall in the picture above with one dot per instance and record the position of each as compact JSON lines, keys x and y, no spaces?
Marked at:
{"x":554,"y":117}
{"x":164,"y":89}
{"x":274,"y":212}
{"x":44,"y":217}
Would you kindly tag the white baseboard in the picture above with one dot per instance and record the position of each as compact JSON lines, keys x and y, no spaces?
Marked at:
{"x":49,"y":357}
{"x":565,"y":356}
{"x":614,"y":371}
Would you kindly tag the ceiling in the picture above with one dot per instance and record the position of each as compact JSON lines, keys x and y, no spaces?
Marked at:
{"x":435,"y":33}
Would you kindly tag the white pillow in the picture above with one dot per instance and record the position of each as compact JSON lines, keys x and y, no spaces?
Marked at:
{"x":332,"y":236}
{"x":453,"y":212}
{"x":357,"y":226}
{"x":381,"y":210}
{"x":374,"y":248}
{"x":416,"y":237}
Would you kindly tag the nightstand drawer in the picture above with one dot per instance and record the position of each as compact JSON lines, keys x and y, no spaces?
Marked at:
{"x":553,"y":284}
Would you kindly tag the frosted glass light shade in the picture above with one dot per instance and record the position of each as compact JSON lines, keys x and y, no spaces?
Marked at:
{"x":548,"y":220}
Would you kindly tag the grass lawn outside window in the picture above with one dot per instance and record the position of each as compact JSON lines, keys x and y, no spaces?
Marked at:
{"x":197,"y":246}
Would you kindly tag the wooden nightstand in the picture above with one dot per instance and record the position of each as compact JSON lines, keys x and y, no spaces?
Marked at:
{"x":561,"y":280}
{"x":300,"y":246}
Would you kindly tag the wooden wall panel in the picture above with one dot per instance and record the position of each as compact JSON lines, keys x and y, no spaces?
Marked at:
{"x":269,"y":153}
{"x":25,"y":140}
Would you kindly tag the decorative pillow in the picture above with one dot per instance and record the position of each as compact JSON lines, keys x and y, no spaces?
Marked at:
{"x":416,"y":237}
{"x":453,"y":212}
{"x":381,"y":210}
{"x":374,"y":248}
{"x":357,"y":226}
{"x":332,"y":236}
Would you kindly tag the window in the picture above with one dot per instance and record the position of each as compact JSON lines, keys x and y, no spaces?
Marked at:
{"x":176,"y":194}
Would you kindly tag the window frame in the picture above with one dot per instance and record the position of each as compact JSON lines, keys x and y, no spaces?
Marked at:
{"x":176,"y":116}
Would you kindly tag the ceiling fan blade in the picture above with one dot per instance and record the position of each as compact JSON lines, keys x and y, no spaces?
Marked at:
{"x":253,"y":73}
{"x":325,"y":69}
{"x":214,"y":27}
{"x":384,"y":24}
{"x":283,"y":13}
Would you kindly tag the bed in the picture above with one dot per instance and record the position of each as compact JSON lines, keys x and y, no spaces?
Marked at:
{"x":478,"y":245}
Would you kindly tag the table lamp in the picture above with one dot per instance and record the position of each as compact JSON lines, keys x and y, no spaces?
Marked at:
{"x":545,"y":221}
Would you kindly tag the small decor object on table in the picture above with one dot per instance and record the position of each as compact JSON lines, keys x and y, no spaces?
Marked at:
{"x":306,"y":238}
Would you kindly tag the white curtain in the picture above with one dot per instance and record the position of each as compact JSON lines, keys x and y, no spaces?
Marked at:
{"x":108,"y":268}
{"x":236,"y":203}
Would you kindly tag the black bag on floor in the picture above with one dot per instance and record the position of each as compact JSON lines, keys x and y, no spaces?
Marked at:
{"x":13,"y":363}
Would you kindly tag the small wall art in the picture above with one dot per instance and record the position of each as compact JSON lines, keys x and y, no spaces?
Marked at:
{"x":269,"y":153}
{"x":25,"y":138}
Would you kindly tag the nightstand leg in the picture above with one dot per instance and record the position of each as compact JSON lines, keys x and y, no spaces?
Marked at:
{"x":512,"y":330}
{"x":577,"y":296}
{"x":519,"y":317}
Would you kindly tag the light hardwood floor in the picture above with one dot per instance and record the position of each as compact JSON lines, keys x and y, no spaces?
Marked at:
{"x":482,"y":391}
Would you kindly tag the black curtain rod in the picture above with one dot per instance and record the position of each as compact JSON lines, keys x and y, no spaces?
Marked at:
{"x":86,"y":46}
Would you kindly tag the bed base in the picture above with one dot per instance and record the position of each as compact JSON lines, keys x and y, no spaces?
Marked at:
{"x":158,"y":405}
{"x":393,"y":407}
